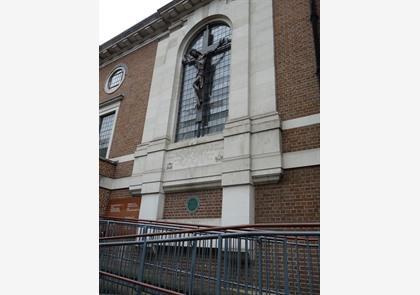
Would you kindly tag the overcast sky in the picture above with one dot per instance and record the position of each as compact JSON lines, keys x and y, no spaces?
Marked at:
{"x":117,"y":16}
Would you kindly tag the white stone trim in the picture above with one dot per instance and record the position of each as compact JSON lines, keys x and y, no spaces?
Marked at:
{"x":152,"y":206}
{"x":109,"y":107}
{"x":192,"y":183}
{"x":195,"y":141}
{"x":266,"y":175}
{"x":125,"y":158}
{"x":116,"y":183}
{"x":301,"y":158}
{"x":238,"y":205}
{"x":105,"y":182}
{"x":301,"y":122}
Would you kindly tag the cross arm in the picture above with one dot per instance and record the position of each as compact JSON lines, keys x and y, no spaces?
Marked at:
{"x":221,"y":45}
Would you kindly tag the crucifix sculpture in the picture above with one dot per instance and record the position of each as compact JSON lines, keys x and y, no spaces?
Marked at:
{"x":202,"y":62}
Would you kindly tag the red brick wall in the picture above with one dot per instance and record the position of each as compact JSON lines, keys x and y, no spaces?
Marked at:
{"x":210,"y":204}
{"x":124,"y":169}
{"x":135,"y":88}
{"x":103,"y":200}
{"x":115,"y":170}
{"x":106,"y":168}
{"x":294,"y":199}
{"x":124,"y":207}
{"x":302,"y":138}
{"x":120,"y":193}
{"x":297,"y":85}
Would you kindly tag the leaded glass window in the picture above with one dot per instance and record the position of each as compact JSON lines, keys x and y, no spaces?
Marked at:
{"x":214,"y":41}
{"x":105,"y":130}
{"x":115,"y":79}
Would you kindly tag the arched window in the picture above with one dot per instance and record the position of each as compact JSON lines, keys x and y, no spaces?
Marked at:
{"x":203,"y":105}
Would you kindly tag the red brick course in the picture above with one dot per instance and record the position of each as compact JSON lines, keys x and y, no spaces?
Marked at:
{"x":301,"y":138}
{"x":210,"y":204}
{"x":106,"y":168}
{"x":297,"y":85}
{"x":124,"y":169}
{"x":294,"y":199}
{"x":115,"y":170}
{"x":103,"y":200}
{"x":120,"y":193}
{"x":135,"y":88}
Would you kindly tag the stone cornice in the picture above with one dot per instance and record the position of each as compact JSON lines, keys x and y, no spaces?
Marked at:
{"x":166,"y":18}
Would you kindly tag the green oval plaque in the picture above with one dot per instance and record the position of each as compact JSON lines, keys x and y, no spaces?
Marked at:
{"x":192,"y":204}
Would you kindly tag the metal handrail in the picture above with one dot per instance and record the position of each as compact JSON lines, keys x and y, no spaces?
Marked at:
{"x":190,"y":225}
{"x":243,"y":227}
{"x":154,"y":222}
{"x":269,"y":258}
{"x":210,"y":237}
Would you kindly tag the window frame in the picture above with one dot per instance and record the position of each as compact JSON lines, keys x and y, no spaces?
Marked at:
{"x":120,"y":73}
{"x":180,"y":81}
{"x":120,"y":67}
{"x":107,"y":110}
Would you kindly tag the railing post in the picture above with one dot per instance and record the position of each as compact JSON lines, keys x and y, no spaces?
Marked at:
{"x":286,"y":268}
{"x":192,"y":270}
{"x":225,"y":264}
{"x":106,"y":228}
{"x":259,"y":247}
{"x":238,"y":264}
{"x":309,"y":265}
{"x":142,"y":256}
{"x":297,"y":267}
{"x":219,"y":265}
{"x":246,"y":265}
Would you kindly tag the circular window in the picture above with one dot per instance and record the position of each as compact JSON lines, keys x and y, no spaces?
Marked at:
{"x":192,"y":204}
{"x":115,"y":78}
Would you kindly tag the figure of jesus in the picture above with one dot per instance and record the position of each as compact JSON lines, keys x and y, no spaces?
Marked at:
{"x":200,"y":60}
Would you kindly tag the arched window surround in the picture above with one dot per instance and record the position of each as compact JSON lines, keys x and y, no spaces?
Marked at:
{"x":215,"y":114}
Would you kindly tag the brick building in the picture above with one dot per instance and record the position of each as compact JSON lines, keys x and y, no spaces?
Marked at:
{"x":250,"y":152}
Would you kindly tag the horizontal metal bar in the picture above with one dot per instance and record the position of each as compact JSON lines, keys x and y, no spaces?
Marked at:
{"x":148,"y":221}
{"x":165,"y":291}
{"x":219,"y":228}
{"x":213,"y":279}
{"x":143,"y":224}
{"x":215,"y":236}
{"x":157,"y":222}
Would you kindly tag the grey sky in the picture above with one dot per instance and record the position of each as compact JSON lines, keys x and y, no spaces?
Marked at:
{"x":115,"y":16}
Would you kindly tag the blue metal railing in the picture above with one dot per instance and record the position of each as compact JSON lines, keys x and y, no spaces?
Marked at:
{"x":253,"y":259}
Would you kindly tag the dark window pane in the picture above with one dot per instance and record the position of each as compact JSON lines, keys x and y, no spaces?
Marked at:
{"x":215,"y":105}
{"x":105,"y":130}
{"x":115,"y":79}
